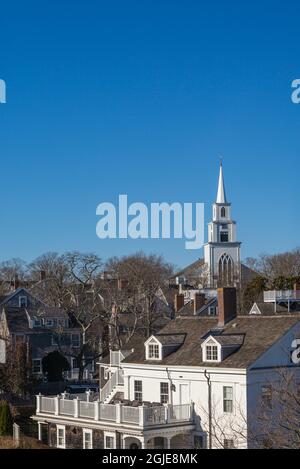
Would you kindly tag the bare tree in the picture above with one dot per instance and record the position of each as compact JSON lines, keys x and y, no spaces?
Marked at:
{"x":140,"y":277}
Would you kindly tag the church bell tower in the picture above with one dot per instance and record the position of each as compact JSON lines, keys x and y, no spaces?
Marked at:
{"x":222,"y":251}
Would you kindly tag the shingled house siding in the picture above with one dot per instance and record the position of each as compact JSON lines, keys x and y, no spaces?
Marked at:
{"x":74,"y":437}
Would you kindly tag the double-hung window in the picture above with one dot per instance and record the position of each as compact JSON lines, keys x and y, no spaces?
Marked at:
{"x":75,"y":340}
{"x":212,"y":353}
{"x":36,"y":365}
{"x":61,"y":436}
{"x":228,"y":399}
{"x":164,"y":393}
{"x":109,"y":440}
{"x":138,"y":391}
{"x":87,"y":439}
{"x":153,"y":351}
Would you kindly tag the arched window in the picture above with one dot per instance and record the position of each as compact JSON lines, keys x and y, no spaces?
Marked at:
{"x":223,"y":212}
{"x":226,"y":270}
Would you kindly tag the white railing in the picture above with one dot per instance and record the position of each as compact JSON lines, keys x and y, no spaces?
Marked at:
{"x":66,"y":407}
{"x":108,"y":412}
{"x":180,"y":412}
{"x":117,"y":356}
{"x":74,"y":374}
{"x":277,"y":295}
{"x":86,"y":409}
{"x":141,"y":416}
{"x":116,"y":379}
{"x":48,"y":405}
{"x":130,"y":415}
{"x":156,"y":415}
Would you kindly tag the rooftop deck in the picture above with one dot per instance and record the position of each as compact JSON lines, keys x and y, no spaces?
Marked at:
{"x":281,"y":295}
{"x":142,"y":416}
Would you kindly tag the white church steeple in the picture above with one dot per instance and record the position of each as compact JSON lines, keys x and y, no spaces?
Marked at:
{"x":222,"y":252}
{"x":221,"y":195}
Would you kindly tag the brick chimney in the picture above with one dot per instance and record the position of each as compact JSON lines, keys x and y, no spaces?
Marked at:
{"x":227,"y":306}
{"x":179,"y":301}
{"x":16,"y":282}
{"x":199,"y":301}
{"x":122,"y":283}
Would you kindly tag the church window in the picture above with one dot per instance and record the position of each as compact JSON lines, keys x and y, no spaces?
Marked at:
{"x":224,"y":236}
{"x":223,"y":212}
{"x":225,"y":270}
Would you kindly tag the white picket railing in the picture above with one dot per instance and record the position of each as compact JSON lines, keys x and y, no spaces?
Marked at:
{"x":116,"y":356}
{"x":86,"y":409}
{"x":108,"y":412}
{"x":276,"y":295}
{"x":180,"y":412}
{"x":116,"y":379}
{"x":48,"y":405}
{"x":141,"y":416}
{"x":130,"y":415}
{"x":155,"y":415}
{"x":66,"y":407}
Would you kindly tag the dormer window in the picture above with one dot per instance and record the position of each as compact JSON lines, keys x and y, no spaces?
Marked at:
{"x":211,"y":350}
{"x":211,"y":353}
{"x":22,"y":301}
{"x":153,"y":351}
{"x":212,"y":311}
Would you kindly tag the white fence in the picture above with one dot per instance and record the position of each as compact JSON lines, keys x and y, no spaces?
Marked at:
{"x":141,"y":416}
{"x":116,"y":379}
{"x":281,"y":295}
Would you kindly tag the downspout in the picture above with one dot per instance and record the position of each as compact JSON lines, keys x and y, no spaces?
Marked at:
{"x":207,"y":376}
{"x":171,"y":386}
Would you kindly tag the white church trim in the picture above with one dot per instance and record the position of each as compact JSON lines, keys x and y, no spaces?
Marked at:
{"x":222,"y":251}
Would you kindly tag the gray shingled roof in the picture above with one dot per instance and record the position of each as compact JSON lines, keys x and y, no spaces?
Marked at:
{"x":268,"y":309}
{"x":260,"y":333}
{"x":170,"y":339}
{"x":17,"y":320}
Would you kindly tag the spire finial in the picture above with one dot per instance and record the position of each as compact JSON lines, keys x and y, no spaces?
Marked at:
{"x":221,"y":196}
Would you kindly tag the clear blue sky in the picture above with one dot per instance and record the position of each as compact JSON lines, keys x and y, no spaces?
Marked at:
{"x":140,"y":98}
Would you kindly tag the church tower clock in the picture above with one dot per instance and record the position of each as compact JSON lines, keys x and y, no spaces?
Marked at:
{"x":222,"y":251}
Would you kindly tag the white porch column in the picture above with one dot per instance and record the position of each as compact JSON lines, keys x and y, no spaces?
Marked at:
{"x":142,"y":415}
{"x":168,"y":442}
{"x":56,"y":399}
{"x":76,"y":407}
{"x":38,"y":403}
{"x":97,"y":410}
{"x":142,"y":440}
{"x":40,"y":431}
{"x":118,"y":413}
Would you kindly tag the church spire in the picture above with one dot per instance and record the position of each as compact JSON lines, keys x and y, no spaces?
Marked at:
{"x":221,"y":196}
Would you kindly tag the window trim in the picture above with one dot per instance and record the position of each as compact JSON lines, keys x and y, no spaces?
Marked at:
{"x":48,"y":320}
{"x":22,"y":297}
{"x":110,"y":435}
{"x":213,"y":347}
{"x":139,"y":392}
{"x":61,"y":427}
{"x":164,"y":393}
{"x":78,"y":335}
{"x":155,"y":348}
{"x":87,"y":431}
{"x":231,"y":446}
{"x":226,"y":400}
{"x":41,"y":369}
{"x":153,"y":341}
{"x":37,"y":322}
